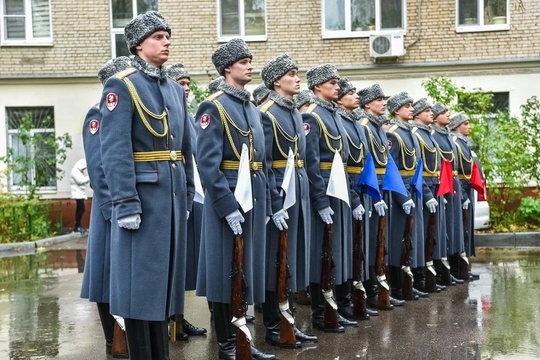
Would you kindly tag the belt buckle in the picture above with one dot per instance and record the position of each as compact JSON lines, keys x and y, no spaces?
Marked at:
{"x":255,"y":166}
{"x":173,"y":155}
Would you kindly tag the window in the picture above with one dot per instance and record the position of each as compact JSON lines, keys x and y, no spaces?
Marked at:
{"x":30,"y":132}
{"x":26,"y":22}
{"x":500,"y":102}
{"x":482,"y":15}
{"x":352,"y":18}
{"x":122,"y":11}
{"x":242,"y":18}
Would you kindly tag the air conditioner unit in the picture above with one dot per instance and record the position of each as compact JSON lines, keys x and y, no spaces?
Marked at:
{"x":387,"y":45}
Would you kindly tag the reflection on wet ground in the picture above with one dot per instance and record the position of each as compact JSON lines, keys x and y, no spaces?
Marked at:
{"x":496,"y":317}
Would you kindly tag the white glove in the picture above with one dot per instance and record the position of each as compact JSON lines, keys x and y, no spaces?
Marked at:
{"x":267,"y":220}
{"x":279,"y":219}
{"x":380,"y":207}
{"x":358,"y":212}
{"x":445,"y":201}
{"x":407,"y":206}
{"x":187,"y":217}
{"x":130,"y":222}
{"x":465,"y":204}
{"x":432,"y":205}
{"x":234,"y":219}
{"x":326,"y":215}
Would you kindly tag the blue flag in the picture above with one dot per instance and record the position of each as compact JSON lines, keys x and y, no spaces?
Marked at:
{"x":368,"y":177}
{"x":418,"y":178}
{"x":392,"y":179}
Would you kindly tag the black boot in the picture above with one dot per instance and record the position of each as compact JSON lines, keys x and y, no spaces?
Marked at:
{"x":138,"y":336}
{"x":343,"y":300}
{"x":271,"y":319}
{"x":191,"y":329}
{"x":107,"y":323}
{"x":260,"y":355}
{"x":303,"y":337}
{"x":178,"y":329}
{"x":317,"y":310}
{"x":226,"y":337}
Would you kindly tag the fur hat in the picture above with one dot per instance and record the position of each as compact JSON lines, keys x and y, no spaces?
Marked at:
{"x":142,"y":26}
{"x":421,"y":105}
{"x":276,"y":68}
{"x":320,"y":74}
{"x":369,"y":94}
{"x":302,"y":98}
{"x":113,"y":67}
{"x":383,"y":119}
{"x":457,"y":120}
{"x":260,"y":93}
{"x":397,"y":101}
{"x":437,"y":109}
{"x":344,"y":87}
{"x":178,"y":71}
{"x":214,"y":84}
{"x":229,"y":53}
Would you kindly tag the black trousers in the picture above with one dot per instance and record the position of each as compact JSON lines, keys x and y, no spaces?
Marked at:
{"x":79,"y":211}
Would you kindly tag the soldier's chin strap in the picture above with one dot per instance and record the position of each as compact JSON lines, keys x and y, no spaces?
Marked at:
{"x":429,"y":265}
{"x":407,"y":270}
{"x":382,"y":280}
{"x":359,"y":286}
{"x":329,"y":297}
{"x":464,"y":257}
{"x":241,"y":324}
{"x":445,"y":262}
{"x":284,"y":309}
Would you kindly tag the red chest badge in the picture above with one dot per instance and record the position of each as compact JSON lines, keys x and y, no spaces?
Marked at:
{"x":307,"y":128}
{"x":93,"y":126}
{"x":112,"y":101}
{"x":205,"y":121}
{"x":389,"y":144}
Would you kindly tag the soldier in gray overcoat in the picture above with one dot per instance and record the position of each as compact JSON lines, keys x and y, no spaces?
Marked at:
{"x":96,"y":278}
{"x":227,"y":121}
{"x":452,"y":237}
{"x":284,"y":132}
{"x":373,"y":103}
{"x":325,"y":136}
{"x":348,"y":101}
{"x":405,"y":151}
{"x":184,"y":328}
{"x":147,"y":160}
{"x":430,"y":154}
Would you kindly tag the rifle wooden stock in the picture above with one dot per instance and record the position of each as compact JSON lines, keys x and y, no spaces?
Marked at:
{"x":463,"y":266}
{"x":330,"y":315}
{"x":238,"y":308}
{"x":119,"y":345}
{"x":358,"y":299}
{"x":431,"y":279}
{"x":407,"y":284}
{"x":383,"y":295}
{"x":286,"y":329}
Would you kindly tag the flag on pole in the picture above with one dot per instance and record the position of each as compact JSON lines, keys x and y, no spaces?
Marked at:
{"x":418,"y":178}
{"x":338,"y":186}
{"x":368,"y":177}
{"x":289,"y":182}
{"x":199,"y":192}
{"x":446,"y":179}
{"x":392,"y":179}
{"x":243,"y":193}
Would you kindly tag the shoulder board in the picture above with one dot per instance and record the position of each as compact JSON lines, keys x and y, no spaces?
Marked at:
{"x":267,"y":105}
{"x":311,"y":108}
{"x":365,"y":121}
{"x":215,"y":95}
{"x":393,"y":129}
{"x":414,"y":130}
{"x":125,"y":73}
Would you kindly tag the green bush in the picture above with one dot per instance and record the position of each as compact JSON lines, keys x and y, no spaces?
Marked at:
{"x":529,"y":210}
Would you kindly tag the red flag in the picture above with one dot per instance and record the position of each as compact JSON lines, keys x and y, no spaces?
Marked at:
{"x":476,"y":181}
{"x":446,"y":179}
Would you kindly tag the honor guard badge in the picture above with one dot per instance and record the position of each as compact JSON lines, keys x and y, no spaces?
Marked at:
{"x":307,"y":127}
{"x":93,"y":126}
{"x":389,"y":144}
{"x":205,"y":121}
{"x":112,"y":101}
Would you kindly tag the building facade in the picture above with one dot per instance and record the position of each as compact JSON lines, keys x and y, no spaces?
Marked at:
{"x":51,"y":50}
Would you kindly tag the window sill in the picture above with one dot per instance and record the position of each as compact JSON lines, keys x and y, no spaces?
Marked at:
{"x":26,"y":44}
{"x":246,"y":38}
{"x":359,"y":34}
{"x":482,"y":28}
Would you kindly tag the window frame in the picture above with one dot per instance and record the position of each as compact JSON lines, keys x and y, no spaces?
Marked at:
{"x":17,"y":189}
{"x":29,"y":39}
{"x":348,"y":33}
{"x":242,"y":25}
{"x":481,"y":27}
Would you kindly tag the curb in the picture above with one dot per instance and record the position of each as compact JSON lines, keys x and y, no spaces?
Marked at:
{"x":31,"y":246}
{"x":508,"y":240}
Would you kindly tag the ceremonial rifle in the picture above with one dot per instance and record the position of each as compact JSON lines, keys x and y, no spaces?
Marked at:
{"x":238,"y":305}
{"x":407,"y":246}
{"x":383,"y":290}
{"x":359,"y":293}
{"x":463,"y":264}
{"x":431,"y":274}
{"x":287,"y":337}
{"x":330,"y":306}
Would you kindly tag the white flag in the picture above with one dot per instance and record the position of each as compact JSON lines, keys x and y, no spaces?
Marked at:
{"x":289,"y":182}
{"x":199,"y":192}
{"x":243,"y":193}
{"x":338,"y":186}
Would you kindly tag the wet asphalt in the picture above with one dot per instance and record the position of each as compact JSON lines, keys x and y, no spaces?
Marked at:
{"x":42,"y":317}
